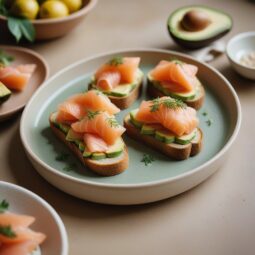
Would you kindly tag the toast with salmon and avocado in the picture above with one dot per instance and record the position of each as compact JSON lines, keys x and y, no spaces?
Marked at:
{"x":167,"y":125}
{"x":178,"y":80}
{"x":87,"y":125}
{"x":120,"y":79}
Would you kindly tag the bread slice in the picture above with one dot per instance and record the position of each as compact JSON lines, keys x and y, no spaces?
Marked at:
{"x":195,"y":103}
{"x":173,"y":150}
{"x":104,"y":167}
{"x":125,"y":101}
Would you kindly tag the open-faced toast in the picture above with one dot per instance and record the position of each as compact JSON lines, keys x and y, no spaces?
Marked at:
{"x":120,"y":79}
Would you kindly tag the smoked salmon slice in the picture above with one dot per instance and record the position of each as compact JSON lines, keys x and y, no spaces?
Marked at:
{"x":180,"y":76}
{"x":16,"y":78}
{"x":15,"y":220}
{"x":170,"y":113}
{"x":23,"y":248}
{"x":16,"y":238}
{"x":126,"y":67}
{"x":21,"y":235}
{"x":101,"y":124}
{"x":95,"y":143}
{"x":108,"y":80}
{"x":76,"y":107}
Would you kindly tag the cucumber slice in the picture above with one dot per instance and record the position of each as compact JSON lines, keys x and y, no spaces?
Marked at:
{"x":5,"y":93}
{"x":116,"y":149}
{"x":186,"y":139}
{"x":165,"y":136}
{"x":133,"y":120}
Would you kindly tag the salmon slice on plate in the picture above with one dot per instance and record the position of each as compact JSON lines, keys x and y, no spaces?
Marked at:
{"x":76,"y":107}
{"x":172,"y":114}
{"x":179,"y":75}
{"x":119,"y":70}
{"x":16,"y":78}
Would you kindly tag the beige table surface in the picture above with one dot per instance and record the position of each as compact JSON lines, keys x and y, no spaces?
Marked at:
{"x":217,"y":217}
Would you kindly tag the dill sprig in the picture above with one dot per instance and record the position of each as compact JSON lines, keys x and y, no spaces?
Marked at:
{"x":4,"y":205}
{"x":91,"y":115}
{"x":176,"y":61}
{"x":116,"y":61}
{"x":62,"y":156}
{"x":5,"y":59}
{"x":69,"y":167}
{"x":147,"y":159}
{"x":169,"y":102}
{"x":113,"y":122}
{"x":209,"y":122}
{"x":7,"y":231}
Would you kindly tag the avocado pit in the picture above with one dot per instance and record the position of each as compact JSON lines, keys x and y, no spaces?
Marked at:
{"x":195,"y":20}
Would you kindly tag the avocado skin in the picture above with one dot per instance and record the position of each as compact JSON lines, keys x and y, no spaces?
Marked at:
{"x":196,"y":44}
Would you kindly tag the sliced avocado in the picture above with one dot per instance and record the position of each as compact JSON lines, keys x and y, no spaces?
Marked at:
{"x":98,"y":155}
{"x":165,"y":136}
{"x":81,"y":146}
{"x":197,"y":26}
{"x":116,"y":149}
{"x":150,"y":129}
{"x":63,"y":127}
{"x":123,"y":89}
{"x":86,"y":153}
{"x":5,"y":93}
{"x":133,"y":120}
{"x":185,"y":139}
{"x":147,"y":130}
{"x":161,"y":86}
{"x":73,"y":136}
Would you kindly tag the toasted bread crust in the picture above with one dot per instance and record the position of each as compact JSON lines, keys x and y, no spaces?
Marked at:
{"x":179,"y":152}
{"x":107,"y":169}
{"x":194,"y":103}
{"x":125,"y":102}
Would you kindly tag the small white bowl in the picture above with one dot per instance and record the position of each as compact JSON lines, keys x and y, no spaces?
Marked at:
{"x":238,"y":46}
{"x":47,"y":220}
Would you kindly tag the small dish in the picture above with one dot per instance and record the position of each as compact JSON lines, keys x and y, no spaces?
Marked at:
{"x":47,"y":221}
{"x":18,"y":99}
{"x":139,"y":183}
{"x":237,"y":47}
{"x":52,"y":28}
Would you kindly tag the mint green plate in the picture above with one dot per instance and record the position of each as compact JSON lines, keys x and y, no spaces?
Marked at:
{"x":139,"y":183}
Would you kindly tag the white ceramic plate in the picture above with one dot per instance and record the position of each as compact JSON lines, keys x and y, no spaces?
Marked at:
{"x":138,"y":184}
{"x":47,"y":220}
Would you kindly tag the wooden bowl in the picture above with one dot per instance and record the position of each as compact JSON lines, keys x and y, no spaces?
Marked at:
{"x":53,"y":28}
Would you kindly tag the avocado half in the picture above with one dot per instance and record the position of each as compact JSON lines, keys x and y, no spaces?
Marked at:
{"x":221,"y":23}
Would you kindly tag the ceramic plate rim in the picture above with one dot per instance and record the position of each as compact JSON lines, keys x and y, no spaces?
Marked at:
{"x":137,"y":185}
{"x":42,"y":60}
{"x":52,"y":211}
